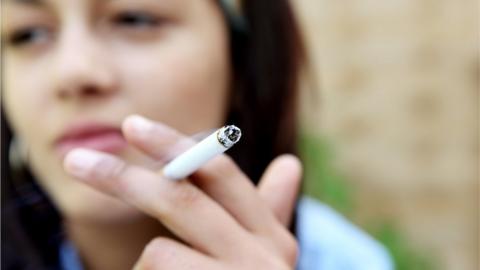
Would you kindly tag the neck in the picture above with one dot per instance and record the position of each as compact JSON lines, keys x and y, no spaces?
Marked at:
{"x":107,"y":246}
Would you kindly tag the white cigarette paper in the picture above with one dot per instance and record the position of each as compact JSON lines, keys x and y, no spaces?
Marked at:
{"x":195,"y":157}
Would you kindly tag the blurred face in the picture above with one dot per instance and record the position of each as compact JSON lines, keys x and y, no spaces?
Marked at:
{"x":75,"y":69}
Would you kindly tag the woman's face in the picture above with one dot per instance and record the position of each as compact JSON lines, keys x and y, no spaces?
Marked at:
{"x":75,"y":69}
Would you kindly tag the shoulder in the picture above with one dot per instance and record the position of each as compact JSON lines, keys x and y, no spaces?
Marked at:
{"x":328,"y":241}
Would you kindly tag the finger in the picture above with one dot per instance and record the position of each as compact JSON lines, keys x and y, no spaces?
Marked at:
{"x":163,"y":253}
{"x":220,"y":178}
{"x":279,"y":186}
{"x":180,"y":206}
{"x":158,"y":140}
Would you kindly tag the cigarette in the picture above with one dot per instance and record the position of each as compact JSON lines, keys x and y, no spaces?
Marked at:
{"x":195,"y":157}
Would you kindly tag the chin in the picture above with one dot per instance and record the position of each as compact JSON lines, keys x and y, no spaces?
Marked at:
{"x":87,"y":205}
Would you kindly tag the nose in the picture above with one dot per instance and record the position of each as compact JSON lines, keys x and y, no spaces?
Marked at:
{"x":82,"y":68}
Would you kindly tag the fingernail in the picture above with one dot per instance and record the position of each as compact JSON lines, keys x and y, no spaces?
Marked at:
{"x":140,"y":124}
{"x":81,"y":162}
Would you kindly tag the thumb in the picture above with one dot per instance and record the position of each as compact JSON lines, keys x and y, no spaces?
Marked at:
{"x":279,"y":186}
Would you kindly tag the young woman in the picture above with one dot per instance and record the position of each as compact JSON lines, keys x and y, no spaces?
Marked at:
{"x":97,"y":93}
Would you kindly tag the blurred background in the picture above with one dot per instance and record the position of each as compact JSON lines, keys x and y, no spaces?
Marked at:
{"x":392,"y":137}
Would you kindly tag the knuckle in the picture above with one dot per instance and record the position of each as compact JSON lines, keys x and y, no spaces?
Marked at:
{"x":182,"y":196}
{"x":156,"y":253}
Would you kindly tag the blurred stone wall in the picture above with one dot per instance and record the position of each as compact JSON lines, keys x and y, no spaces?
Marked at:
{"x":398,"y":98}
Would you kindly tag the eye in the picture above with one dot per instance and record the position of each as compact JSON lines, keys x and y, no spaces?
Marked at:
{"x":136,"y":19}
{"x":29,"y":35}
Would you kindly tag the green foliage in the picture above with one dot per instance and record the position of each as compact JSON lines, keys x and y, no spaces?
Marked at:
{"x":324,"y":182}
{"x":403,"y":255}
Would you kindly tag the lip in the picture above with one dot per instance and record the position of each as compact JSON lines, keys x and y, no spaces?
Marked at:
{"x":97,"y":136}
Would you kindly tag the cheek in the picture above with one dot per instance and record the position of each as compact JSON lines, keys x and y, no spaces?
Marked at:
{"x":178,"y":82}
{"x":26,"y":98}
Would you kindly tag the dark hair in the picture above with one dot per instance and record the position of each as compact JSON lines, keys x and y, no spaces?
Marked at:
{"x":266,"y":59}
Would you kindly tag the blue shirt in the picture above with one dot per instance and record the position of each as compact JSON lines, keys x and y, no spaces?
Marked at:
{"x":327,"y":241}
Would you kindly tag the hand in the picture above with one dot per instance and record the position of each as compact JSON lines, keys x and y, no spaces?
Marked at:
{"x":224,"y":221}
